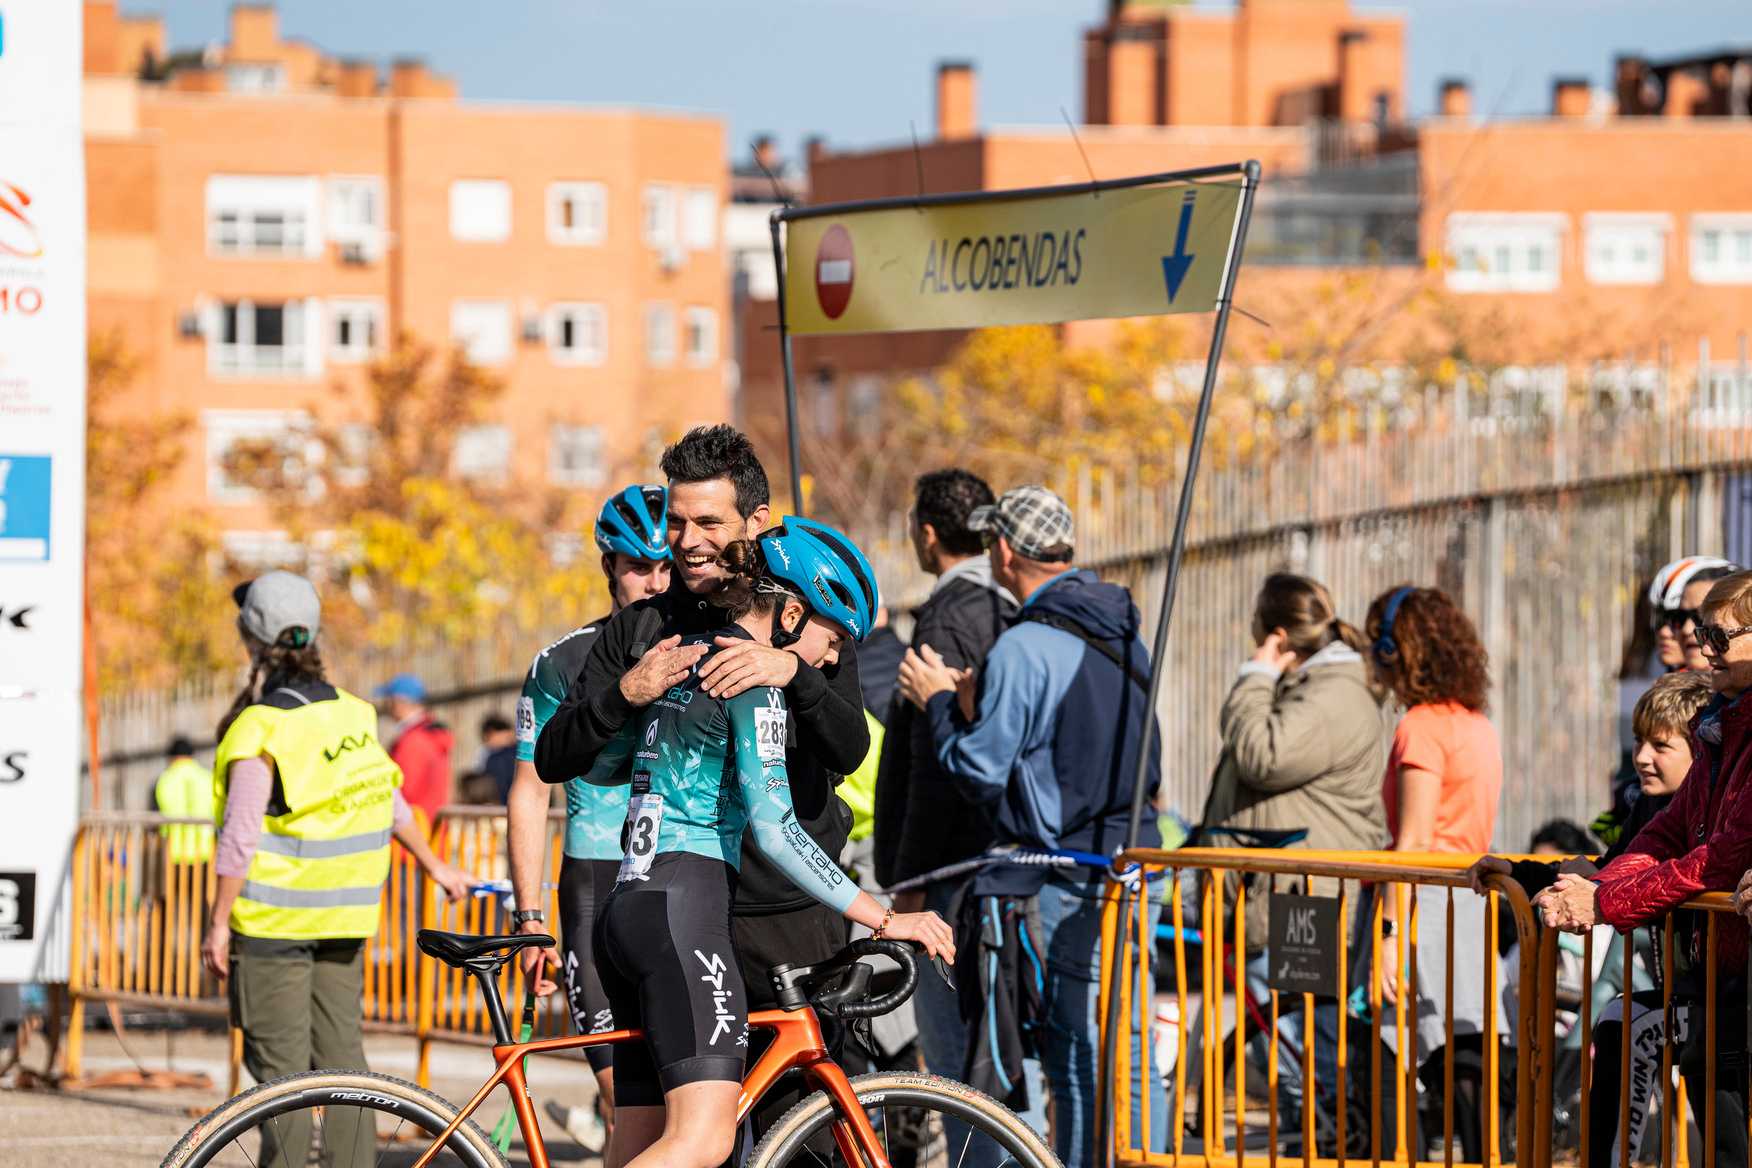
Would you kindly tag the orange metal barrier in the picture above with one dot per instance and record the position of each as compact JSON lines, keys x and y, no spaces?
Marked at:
{"x":139,"y":915}
{"x":1210,"y":1121}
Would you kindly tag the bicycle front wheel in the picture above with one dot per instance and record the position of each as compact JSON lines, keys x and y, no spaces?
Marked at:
{"x":339,"y":1119}
{"x":922,"y":1121}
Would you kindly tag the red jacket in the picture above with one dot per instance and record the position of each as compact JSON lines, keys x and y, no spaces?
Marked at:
{"x":422,"y":751}
{"x":1702,"y":842}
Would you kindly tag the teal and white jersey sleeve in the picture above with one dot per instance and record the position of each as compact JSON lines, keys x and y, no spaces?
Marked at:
{"x":593,"y":814}
{"x":757,"y":729}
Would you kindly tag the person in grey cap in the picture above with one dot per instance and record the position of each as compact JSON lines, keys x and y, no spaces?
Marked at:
{"x":309,"y":802}
{"x":1046,"y":734}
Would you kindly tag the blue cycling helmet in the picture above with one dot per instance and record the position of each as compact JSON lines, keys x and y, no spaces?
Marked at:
{"x":826,"y":570}
{"x":635,"y":523}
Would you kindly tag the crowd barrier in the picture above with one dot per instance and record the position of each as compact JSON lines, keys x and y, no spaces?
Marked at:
{"x":140,"y":906}
{"x":1230,"y":1042}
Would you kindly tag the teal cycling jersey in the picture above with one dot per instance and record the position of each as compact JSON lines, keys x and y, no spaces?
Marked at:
{"x":703,"y":769}
{"x":593,"y":814}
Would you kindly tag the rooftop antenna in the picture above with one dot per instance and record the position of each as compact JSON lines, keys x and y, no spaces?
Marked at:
{"x":918,"y":157}
{"x":1094,"y":183}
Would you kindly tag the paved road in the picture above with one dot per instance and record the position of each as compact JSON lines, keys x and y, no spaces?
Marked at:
{"x":135,"y":1128}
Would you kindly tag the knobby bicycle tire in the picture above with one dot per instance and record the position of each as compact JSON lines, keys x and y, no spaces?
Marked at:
{"x":810,"y":1118}
{"x":414,"y":1105}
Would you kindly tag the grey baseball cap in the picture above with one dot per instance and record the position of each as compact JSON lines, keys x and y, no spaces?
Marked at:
{"x":276,"y":601}
{"x":1033,"y":519}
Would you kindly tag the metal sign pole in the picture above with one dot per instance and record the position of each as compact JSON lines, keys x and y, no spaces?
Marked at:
{"x":793,"y":438}
{"x":1176,"y":553}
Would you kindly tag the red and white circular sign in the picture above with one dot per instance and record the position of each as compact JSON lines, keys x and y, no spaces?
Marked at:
{"x":833,"y":271}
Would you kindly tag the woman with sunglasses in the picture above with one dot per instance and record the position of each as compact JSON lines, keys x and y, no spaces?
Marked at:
{"x":1702,"y":842}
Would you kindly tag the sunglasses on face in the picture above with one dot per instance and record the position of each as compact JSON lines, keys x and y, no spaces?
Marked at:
{"x":1717,"y":639}
{"x":1676,"y":619}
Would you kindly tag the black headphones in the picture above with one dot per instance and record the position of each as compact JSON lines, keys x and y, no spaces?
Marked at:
{"x":1385,"y":647}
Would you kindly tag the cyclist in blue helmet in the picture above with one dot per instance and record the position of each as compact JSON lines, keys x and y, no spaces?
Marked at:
{"x":630,"y":532}
{"x":701,"y":770}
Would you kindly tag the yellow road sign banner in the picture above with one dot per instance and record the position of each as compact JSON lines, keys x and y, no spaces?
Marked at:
{"x":1133,"y":251}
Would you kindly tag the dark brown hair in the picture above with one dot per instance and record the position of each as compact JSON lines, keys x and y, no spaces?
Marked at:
{"x":1303,"y":609}
{"x":272,"y":666}
{"x":1437,"y":656}
{"x":737,"y":597}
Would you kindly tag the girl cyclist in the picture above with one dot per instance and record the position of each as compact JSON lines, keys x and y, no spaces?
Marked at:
{"x":703,"y":769}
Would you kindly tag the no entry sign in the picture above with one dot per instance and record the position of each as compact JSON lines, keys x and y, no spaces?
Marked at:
{"x":835,"y":267}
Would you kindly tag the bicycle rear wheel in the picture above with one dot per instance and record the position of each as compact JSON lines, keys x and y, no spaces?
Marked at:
{"x":923,"y":1121}
{"x":339,"y":1119}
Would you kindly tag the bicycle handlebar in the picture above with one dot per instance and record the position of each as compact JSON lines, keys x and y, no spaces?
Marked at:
{"x":797,"y":986}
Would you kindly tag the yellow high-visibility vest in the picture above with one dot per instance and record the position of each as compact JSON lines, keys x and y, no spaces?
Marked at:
{"x":185,"y":791}
{"x":319,"y":867}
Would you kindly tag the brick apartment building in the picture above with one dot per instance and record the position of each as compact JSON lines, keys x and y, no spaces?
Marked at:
{"x":264,"y":218}
{"x":1626,"y":208}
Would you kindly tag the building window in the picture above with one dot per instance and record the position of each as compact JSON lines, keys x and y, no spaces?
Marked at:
{"x":263,"y":215}
{"x":480,"y":210}
{"x":1505,"y":253}
{"x":482,"y":453}
{"x":275,"y":431}
{"x":575,"y":456}
{"x":701,"y":336}
{"x":252,"y":339}
{"x":577,"y":334}
{"x":658,"y":216}
{"x":577,"y":213}
{"x":263,"y":551}
{"x":699,"y":219}
{"x":1721,"y":249}
{"x":355,"y":330}
{"x":252,"y":77}
{"x":660,"y":334}
{"x":1626,"y":249}
{"x":356,"y":212}
{"x":483,"y":329}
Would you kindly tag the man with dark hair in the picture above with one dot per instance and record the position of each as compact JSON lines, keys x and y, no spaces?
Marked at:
{"x":718,"y":494}
{"x":922,"y":821}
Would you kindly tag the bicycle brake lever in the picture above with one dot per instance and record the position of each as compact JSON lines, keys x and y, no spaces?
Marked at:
{"x":942,"y":969}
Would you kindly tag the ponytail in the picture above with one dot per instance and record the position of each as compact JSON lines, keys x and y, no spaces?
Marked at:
{"x":1343,"y":630}
{"x":294,"y":659}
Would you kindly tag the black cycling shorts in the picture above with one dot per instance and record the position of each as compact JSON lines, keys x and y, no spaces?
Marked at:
{"x":585,"y":885}
{"x":663,"y":949}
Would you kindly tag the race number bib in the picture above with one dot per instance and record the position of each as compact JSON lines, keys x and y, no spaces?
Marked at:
{"x":769,"y":733}
{"x":526,"y":720}
{"x":639,"y":845}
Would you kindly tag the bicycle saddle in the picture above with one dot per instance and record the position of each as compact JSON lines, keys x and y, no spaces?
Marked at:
{"x":465,"y":950}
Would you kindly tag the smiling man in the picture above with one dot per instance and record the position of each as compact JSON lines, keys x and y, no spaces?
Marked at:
{"x":718,"y":493}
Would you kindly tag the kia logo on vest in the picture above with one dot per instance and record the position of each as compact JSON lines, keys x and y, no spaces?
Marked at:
{"x":349,"y":742}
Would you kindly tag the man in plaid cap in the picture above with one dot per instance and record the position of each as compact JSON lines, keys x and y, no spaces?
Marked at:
{"x":1048,"y":736}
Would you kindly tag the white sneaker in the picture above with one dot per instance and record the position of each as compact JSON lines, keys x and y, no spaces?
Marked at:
{"x":581,"y":1123}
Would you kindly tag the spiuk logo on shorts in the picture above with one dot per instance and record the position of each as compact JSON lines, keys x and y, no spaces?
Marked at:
{"x":722,"y":1017}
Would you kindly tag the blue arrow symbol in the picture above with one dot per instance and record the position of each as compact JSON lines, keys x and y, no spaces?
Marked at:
{"x":1175,"y":267}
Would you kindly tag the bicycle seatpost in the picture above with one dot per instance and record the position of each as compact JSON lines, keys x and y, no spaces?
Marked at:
{"x":484,"y":972}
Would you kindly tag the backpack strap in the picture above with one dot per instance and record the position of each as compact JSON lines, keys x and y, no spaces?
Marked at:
{"x":1065,"y":624}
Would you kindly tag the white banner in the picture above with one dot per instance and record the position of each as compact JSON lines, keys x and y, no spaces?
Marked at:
{"x":42,"y":469}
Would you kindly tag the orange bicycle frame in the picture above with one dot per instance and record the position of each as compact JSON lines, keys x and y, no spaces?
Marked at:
{"x":797,"y":1045}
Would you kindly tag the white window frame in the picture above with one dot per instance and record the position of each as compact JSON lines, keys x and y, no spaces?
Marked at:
{"x":1492,"y":236}
{"x":224,"y":428}
{"x":699,"y":218}
{"x":587,"y":230}
{"x":587,"y":318}
{"x":299,"y":355}
{"x":239,"y":208}
{"x":343,"y":225}
{"x":358,"y":310}
{"x":255,"y":77}
{"x":659,"y":215}
{"x":480,"y":210}
{"x":705,"y":321}
{"x":466,"y":325}
{"x":1622,"y":229}
{"x":660,"y":338}
{"x":1734,"y":268}
{"x":563,"y":439}
{"x":482,"y":453}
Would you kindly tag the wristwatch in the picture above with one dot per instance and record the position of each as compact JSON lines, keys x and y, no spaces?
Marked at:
{"x":524,"y":916}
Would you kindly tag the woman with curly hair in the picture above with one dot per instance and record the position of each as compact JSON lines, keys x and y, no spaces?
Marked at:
{"x":1444,"y":777}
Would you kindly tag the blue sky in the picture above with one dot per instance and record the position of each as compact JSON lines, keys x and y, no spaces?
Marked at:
{"x":859,"y":71}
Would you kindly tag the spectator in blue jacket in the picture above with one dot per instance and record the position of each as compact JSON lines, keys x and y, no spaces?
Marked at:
{"x":1048,"y":735}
